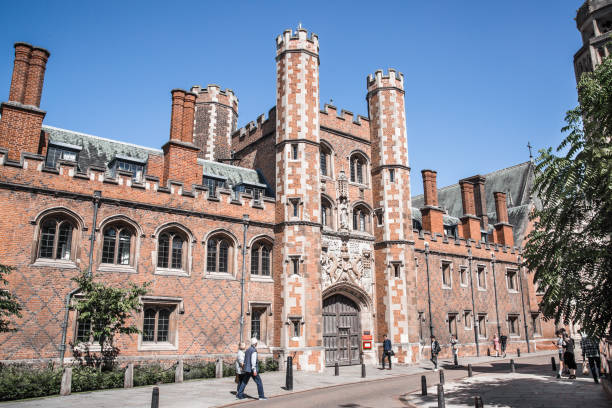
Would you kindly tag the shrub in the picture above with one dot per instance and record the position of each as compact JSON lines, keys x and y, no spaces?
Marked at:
{"x":196,"y":371}
{"x":229,"y":369}
{"x":153,"y":374}
{"x":17,"y":382}
{"x":85,"y":378}
{"x":269,"y":364}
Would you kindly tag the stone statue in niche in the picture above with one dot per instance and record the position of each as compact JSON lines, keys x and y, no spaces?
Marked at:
{"x":344,"y":217}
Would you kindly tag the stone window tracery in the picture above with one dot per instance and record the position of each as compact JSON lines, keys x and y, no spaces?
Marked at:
{"x":261,"y":256}
{"x":219,"y":254}
{"x":56,"y":238}
{"x":172,"y":250}
{"x":358,"y":168}
{"x":361,"y":219}
{"x":118,"y":244}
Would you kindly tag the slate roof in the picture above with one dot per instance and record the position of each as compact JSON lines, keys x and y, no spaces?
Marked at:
{"x":98,"y":151}
{"x":516,"y":181}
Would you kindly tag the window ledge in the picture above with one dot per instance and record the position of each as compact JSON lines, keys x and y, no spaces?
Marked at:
{"x":156,"y":347}
{"x":467,"y":328}
{"x":116,"y":268}
{"x":354,"y":183}
{"x":170,"y":272}
{"x":447,"y":287}
{"x":54,"y":263}
{"x":91,"y":347}
{"x":219,"y":275}
{"x":482,"y":289}
{"x":256,"y":278}
{"x":463,"y":285}
{"x":515,"y":336}
{"x":513,"y":291}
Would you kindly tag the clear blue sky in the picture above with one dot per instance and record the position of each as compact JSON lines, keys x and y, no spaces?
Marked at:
{"x":482,"y":77}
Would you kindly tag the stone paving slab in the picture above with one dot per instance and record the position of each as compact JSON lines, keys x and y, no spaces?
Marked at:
{"x":516,"y":390}
{"x":218,"y":392}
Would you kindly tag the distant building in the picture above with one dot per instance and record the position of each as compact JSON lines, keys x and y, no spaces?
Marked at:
{"x":312,"y":204}
{"x":594,"y":21}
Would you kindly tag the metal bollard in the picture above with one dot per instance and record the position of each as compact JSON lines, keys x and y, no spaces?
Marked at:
{"x":155,"y":398}
{"x":363,"y":371}
{"x":478,"y":402}
{"x":512,"y":368}
{"x":518,"y":352}
{"x":337,"y":369}
{"x":441,"y":403}
{"x":455,"y":360}
{"x":470,"y":374}
{"x":423,"y":385}
{"x":289,"y":374}
{"x":553,"y":364}
{"x":441,"y":376}
{"x":488,"y":352}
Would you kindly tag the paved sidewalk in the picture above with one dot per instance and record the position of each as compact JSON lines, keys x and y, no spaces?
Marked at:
{"x":516,"y":390}
{"x":217,"y":392}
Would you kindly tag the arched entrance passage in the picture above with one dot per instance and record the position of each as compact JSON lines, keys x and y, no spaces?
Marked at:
{"x":341,"y":330}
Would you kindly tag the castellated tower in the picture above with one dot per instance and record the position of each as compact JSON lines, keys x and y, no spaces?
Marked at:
{"x":216,"y":117}
{"x":298,"y":222}
{"x":393,"y":248}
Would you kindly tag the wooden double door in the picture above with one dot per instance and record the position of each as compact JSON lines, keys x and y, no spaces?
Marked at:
{"x":341,"y":330}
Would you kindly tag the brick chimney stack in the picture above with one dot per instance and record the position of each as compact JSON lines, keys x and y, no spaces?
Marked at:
{"x":480,"y":202}
{"x":503,"y":230}
{"x":21,"y":122}
{"x":470,"y":223}
{"x":180,"y":154}
{"x":431,"y":213}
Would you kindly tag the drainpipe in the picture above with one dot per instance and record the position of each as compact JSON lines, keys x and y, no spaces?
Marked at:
{"x":495,"y":292}
{"x":473,"y":304}
{"x":245,"y":222}
{"x":96,"y":203}
{"x":431,"y":332}
{"x":520,"y":274}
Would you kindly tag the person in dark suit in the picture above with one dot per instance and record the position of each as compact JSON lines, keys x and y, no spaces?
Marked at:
{"x":387,"y":351}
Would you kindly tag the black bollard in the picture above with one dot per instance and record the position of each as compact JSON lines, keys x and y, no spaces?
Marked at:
{"x":470,"y":374}
{"x":512,"y":368}
{"x":478,"y":402}
{"x":441,"y":376}
{"x":518,"y":352}
{"x":155,"y":398}
{"x":337,"y":370}
{"x":423,"y":385}
{"x":455,"y":360}
{"x":441,"y":403}
{"x":289,"y":374}
{"x":363,"y":371}
{"x":553,"y":364}
{"x":488,"y":352}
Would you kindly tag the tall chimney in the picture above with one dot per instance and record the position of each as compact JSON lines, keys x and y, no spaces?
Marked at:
{"x":36,"y":76}
{"x":176,"y":120}
{"x":469,"y":222}
{"x":503,"y":230}
{"x":188,"y":115}
{"x":480,"y":202}
{"x":20,"y":71}
{"x":431,"y":214}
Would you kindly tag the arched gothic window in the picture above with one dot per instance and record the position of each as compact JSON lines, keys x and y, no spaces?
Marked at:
{"x":56,"y":238}
{"x":118,"y":245}
{"x":219,"y":250}
{"x":325,"y":158}
{"x":326,"y":213}
{"x":261,"y":259}
{"x":361,"y":219}
{"x":358,"y":168}
{"x":172,"y":250}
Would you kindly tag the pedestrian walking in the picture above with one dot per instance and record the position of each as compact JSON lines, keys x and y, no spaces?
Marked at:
{"x":454,"y":347}
{"x":568,"y":355}
{"x":559,"y":343}
{"x":503,"y":341}
{"x":435,"y":350}
{"x":387,"y":351}
{"x":590,"y":352}
{"x":251,"y":369}
{"x":240,"y":367}
{"x":496,"y":345}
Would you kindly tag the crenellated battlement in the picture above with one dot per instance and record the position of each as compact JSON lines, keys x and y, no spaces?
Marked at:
{"x":393,"y":79}
{"x":30,"y":173}
{"x":345,"y":122}
{"x":214,"y":93}
{"x":254,"y":130}
{"x":297,"y":40}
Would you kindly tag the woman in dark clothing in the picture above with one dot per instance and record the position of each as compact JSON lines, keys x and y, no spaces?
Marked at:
{"x":568,"y":355}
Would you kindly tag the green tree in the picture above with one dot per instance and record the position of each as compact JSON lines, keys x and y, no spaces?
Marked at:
{"x":107,"y":310}
{"x":570,"y":249}
{"x":9,"y":307}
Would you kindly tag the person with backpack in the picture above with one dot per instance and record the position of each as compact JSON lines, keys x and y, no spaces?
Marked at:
{"x":503,"y":341}
{"x":435,"y":350}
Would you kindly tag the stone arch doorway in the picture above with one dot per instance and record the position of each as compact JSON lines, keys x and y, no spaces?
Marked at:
{"x":341,"y":330}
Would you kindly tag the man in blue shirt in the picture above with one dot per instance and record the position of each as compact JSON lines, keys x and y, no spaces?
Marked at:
{"x":251,"y":369}
{"x":387,"y":351}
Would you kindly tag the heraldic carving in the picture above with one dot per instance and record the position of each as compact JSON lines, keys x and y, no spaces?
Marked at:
{"x":344,"y":267}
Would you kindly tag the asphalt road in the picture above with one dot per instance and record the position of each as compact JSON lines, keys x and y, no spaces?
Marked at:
{"x":386,"y":392}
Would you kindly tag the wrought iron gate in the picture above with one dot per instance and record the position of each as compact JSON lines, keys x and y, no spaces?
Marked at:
{"x":341,"y":330}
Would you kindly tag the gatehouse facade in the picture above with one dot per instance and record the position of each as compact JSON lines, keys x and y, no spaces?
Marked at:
{"x":310,"y":204}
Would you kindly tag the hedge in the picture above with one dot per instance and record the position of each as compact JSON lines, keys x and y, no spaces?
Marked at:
{"x":19,"y":381}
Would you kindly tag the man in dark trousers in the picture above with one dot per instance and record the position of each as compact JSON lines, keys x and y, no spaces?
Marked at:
{"x":435,"y":350}
{"x":251,"y":369}
{"x":503,"y":341}
{"x":387,"y":351}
